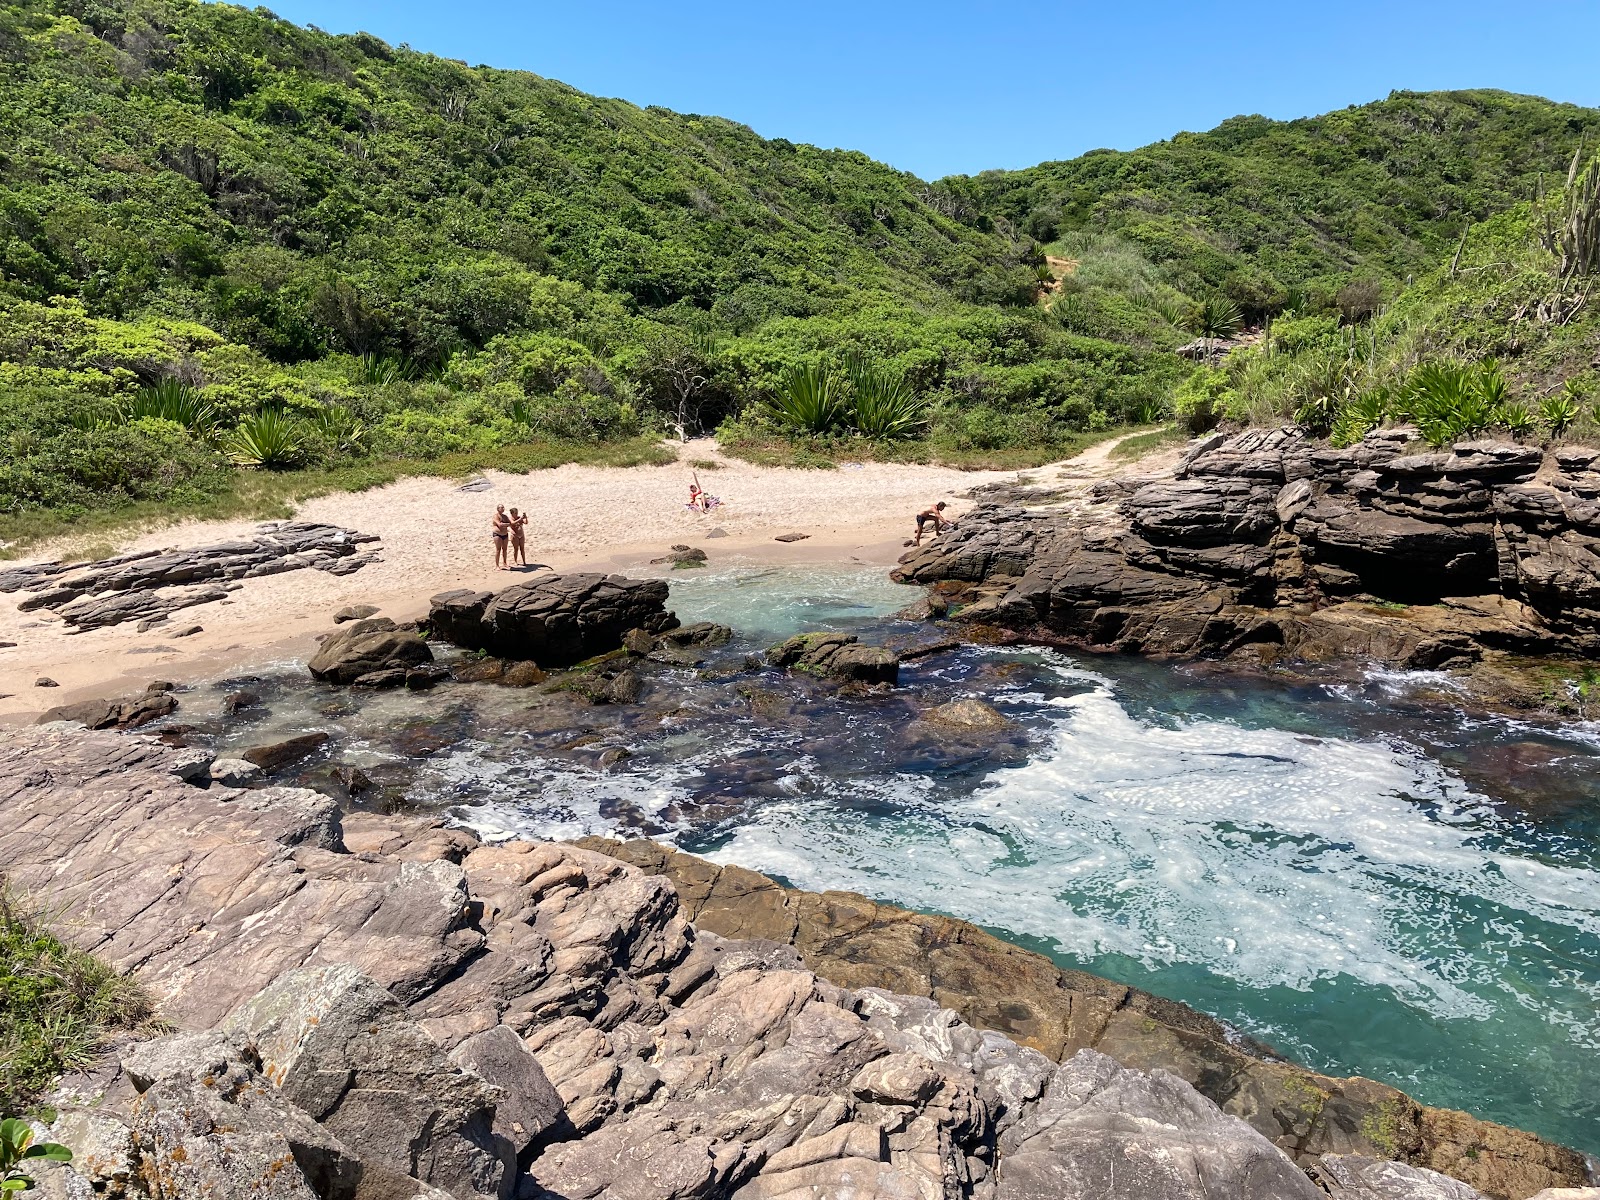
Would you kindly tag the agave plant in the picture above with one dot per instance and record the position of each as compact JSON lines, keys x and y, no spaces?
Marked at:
{"x":341,"y":429}
{"x":173,"y":400}
{"x":1560,"y":410}
{"x":1361,"y":415}
{"x":94,"y":419}
{"x":1448,"y":401}
{"x":267,"y":440}
{"x":1516,"y":418}
{"x":882,"y":403}
{"x":1176,"y":313}
{"x":809,"y":399}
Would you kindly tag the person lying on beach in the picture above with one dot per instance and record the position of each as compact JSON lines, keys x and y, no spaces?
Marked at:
{"x":936,"y":516}
{"x":519,"y":539}
{"x":500,"y":531}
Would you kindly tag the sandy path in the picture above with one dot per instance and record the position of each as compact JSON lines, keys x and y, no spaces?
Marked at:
{"x":435,"y":537}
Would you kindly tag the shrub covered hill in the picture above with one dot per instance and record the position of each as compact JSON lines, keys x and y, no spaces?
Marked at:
{"x":230,"y":242}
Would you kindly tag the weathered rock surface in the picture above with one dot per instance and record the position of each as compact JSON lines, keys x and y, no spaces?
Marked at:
{"x":154,"y":583}
{"x":858,"y":943}
{"x":556,"y":620}
{"x":836,"y":656}
{"x":371,"y":652}
{"x":385,"y":1009}
{"x":128,"y":713}
{"x":1268,"y":547}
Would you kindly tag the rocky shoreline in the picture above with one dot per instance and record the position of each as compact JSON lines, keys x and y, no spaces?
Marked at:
{"x":1267,"y":548}
{"x":379,"y":1006}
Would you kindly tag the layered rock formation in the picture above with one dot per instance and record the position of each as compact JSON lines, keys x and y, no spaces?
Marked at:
{"x":556,"y":620}
{"x":150,"y":585}
{"x":380,"y":1007}
{"x":1269,"y":546}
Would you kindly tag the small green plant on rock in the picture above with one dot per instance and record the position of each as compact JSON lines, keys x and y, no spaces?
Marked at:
{"x":17,"y":1147}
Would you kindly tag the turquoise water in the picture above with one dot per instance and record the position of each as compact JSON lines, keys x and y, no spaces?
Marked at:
{"x":1372,"y":886}
{"x":1328,"y":871}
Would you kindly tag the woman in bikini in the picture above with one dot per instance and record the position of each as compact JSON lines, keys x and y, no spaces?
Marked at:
{"x":519,"y":539}
{"x":500,"y":531}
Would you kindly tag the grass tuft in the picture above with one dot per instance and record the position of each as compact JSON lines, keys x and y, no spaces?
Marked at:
{"x":57,"y":1005}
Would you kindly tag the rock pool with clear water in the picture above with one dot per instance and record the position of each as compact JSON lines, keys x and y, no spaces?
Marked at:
{"x":1372,"y":885}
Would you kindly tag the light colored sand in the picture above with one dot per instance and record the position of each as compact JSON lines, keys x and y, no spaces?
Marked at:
{"x":436,"y":537}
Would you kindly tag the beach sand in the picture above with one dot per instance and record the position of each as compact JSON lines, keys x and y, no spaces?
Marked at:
{"x":435,"y":537}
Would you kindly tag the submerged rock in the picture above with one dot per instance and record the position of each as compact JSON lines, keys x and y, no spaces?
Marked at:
{"x":968,"y":714}
{"x":277,"y":755}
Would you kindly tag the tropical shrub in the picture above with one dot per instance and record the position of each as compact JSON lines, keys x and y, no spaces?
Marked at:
{"x":1559,"y":411}
{"x":1451,"y":402}
{"x":175,"y":401}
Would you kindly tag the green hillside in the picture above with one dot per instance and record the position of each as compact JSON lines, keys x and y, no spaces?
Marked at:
{"x":240,"y":258}
{"x":1273,"y":213}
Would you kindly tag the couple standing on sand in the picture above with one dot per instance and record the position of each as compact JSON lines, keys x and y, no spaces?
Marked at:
{"x":510,"y":543}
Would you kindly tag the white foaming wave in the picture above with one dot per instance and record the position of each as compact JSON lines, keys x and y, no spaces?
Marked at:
{"x":1271,"y":858}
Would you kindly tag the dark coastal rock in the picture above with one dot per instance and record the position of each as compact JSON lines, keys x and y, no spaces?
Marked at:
{"x":682,"y":558}
{"x":153,"y":703}
{"x":385,"y":1008}
{"x":355,"y":612}
{"x":152,"y":584}
{"x":1269,"y":547}
{"x":278,"y":755}
{"x":838,"y":656}
{"x":367,"y":648}
{"x":555,"y":621}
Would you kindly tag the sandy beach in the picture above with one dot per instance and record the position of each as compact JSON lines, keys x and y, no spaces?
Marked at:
{"x":435,"y":536}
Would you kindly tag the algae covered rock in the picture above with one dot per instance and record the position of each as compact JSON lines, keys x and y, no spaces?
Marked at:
{"x":839,"y":656}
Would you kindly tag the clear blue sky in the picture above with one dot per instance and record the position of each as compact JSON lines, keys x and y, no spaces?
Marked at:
{"x":939,"y":88}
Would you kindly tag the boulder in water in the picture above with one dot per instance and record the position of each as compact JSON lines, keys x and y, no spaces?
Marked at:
{"x":366,"y":648}
{"x":838,"y":656}
{"x":555,"y":621}
{"x":275,"y":755}
{"x":968,"y":714}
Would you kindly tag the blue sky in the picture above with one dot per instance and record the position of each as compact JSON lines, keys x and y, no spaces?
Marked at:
{"x":939,"y":88}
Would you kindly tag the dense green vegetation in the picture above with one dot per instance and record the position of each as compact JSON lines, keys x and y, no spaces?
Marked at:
{"x":56,"y":1004}
{"x":1500,"y":336}
{"x":232,"y":247}
{"x":1279,"y":215}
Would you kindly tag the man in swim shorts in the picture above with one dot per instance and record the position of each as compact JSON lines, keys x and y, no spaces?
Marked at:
{"x":934,"y":515}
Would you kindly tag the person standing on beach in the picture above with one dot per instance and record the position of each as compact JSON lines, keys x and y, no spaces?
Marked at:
{"x":500,"y":531}
{"x":519,"y":539}
{"x":934,"y":514}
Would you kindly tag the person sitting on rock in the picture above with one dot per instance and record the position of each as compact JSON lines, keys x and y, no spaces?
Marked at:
{"x":519,"y":539}
{"x":500,"y":531}
{"x":936,"y":516}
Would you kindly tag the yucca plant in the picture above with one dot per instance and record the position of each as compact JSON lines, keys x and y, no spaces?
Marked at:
{"x":882,"y":403}
{"x":809,"y":399}
{"x":1072,"y":313}
{"x":385,"y":369}
{"x":1216,"y":317}
{"x":94,"y":419}
{"x":172,"y":400}
{"x":267,"y":440}
{"x":344,"y":432}
{"x":1362,"y":414}
{"x":1174,"y":312}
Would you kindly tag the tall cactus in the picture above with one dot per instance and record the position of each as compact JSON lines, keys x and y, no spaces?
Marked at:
{"x":1572,"y":234}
